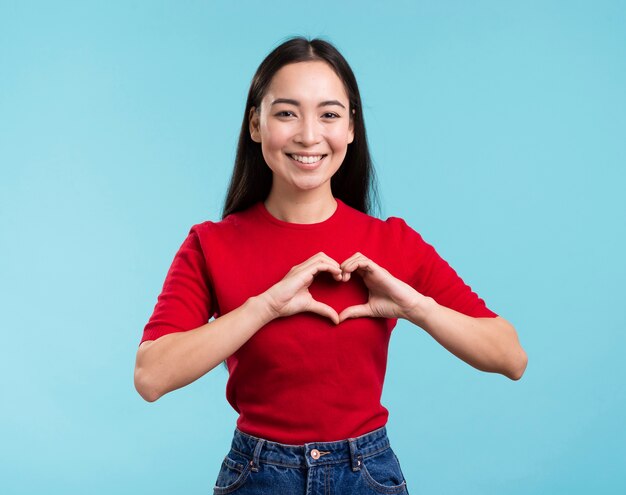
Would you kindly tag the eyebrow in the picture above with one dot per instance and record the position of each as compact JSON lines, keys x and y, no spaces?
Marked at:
{"x":297,"y":103}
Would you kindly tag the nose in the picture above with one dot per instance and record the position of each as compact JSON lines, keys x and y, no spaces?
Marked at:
{"x":309,"y":132}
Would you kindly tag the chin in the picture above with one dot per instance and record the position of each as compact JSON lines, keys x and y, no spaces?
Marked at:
{"x":308,"y":187}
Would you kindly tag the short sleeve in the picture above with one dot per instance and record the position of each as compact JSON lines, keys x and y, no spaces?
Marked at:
{"x":186,"y":300}
{"x":431,"y":275}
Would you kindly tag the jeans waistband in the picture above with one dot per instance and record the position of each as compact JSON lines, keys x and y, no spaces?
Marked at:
{"x":311,"y":454}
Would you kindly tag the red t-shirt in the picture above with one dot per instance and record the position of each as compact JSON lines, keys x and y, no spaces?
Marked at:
{"x":302,"y":378}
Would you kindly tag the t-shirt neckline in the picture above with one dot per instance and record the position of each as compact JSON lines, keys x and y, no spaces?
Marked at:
{"x":301,"y":226}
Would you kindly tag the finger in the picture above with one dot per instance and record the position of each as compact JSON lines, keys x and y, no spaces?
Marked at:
{"x":321,"y":256}
{"x":324,"y":310}
{"x":315,"y":259}
{"x":345,"y":270}
{"x":361,"y":264}
{"x":357,"y":311}
{"x":351,"y":258}
{"x":325,"y":266}
{"x":355,"y":257}
{"x":312,"y":263}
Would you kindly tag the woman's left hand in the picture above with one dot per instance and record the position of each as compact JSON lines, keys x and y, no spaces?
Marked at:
{"x":389,"y":297}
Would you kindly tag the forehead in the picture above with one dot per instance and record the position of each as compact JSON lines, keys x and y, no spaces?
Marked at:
{"x":311,"y":80}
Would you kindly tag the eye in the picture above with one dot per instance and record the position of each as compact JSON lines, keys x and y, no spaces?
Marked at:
{"x":332,"y":115}
{"x":282,"y":113}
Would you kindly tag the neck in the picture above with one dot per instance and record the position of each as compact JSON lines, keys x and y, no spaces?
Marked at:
{"x":301,"y":208}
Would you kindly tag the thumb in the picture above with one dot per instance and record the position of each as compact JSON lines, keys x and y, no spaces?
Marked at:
{"x":324,"y":310}
{"x":357,"y":311}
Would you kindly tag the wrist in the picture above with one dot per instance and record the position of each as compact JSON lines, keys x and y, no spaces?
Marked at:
{"x":263,"y":308}
{"x":420,"y":310}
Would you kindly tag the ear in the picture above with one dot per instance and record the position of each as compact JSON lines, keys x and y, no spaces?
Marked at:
{"x":351,"y":128}
{"x":253,"y":119}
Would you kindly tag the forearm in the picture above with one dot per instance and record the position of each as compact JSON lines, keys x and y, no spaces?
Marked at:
{"x":177,"y":359}
{"x":487,"y":344}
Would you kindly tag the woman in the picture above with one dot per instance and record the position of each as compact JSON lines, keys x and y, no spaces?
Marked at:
{"x":306,"y":287}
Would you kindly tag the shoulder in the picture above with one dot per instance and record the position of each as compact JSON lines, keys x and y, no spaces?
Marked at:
{"x":232,"y":222}
{"x":397,"y":223}
{"x":394,"y":230}
{"x":216,"y":235}
{"x":405,"y":235}
{"x":390,"y":223}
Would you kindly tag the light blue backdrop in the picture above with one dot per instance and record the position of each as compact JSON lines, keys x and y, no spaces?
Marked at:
{"x":498,"y":132}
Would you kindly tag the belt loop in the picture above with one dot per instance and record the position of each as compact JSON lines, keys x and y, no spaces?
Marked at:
{"x":355,"y":458}
{"x":254,"y":463}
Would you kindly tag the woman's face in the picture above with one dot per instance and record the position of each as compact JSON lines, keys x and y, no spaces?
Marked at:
{"x":305,"y":113}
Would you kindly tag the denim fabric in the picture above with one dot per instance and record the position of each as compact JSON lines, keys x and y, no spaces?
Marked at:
{"x":361,"y":465}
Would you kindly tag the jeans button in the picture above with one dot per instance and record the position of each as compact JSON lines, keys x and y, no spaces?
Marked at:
{"x":315,"y":454}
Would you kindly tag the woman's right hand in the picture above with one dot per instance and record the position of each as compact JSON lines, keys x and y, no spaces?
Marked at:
{"x":291,"y":295}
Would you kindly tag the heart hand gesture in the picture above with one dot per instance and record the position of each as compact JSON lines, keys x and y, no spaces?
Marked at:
{"x":291,"y":295}
{"x":389,"y":297}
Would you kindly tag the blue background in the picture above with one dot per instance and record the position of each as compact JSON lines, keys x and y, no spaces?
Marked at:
{"x":498,"y":132}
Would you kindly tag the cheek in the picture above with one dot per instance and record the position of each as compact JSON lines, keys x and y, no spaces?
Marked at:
{"x":274,"y":137}
{"x":339,"y":140}
{"x":272,"y":145}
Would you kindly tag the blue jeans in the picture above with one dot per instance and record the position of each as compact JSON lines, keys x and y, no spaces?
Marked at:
{"x":361,"y":465}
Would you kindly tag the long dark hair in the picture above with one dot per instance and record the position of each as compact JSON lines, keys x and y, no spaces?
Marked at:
{"x":355,"y":181}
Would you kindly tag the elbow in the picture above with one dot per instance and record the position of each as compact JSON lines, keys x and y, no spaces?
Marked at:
{"x":146,"y":387}
{"x":514,"y":358}
{"x":519,"y":366}
{"x":146,"y":383}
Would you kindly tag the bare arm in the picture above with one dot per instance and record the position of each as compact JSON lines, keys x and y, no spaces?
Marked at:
{"x":178,"y":359}
{"x":487,"y":344}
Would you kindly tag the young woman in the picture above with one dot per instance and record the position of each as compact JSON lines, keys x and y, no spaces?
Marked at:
{"x":306,"y":287}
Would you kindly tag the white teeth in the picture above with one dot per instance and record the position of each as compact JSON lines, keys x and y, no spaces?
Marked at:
{"x":307,"y":159}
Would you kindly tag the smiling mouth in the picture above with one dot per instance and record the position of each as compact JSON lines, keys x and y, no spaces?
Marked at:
{"x":306,"y":160}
